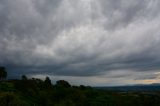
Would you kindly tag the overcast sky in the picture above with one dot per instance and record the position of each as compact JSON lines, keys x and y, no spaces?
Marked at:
{"x":92,"y":42}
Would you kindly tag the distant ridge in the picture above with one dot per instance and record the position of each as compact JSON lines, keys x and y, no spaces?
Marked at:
{"x":136,"y":87}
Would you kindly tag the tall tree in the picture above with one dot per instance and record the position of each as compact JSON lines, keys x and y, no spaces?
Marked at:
{"x":48,"y":81}
{"x":3,"y":73}
{"x":24,"y":77}
{"x":63,"y":83}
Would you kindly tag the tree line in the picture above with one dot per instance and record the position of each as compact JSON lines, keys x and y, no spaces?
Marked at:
{"x":37,"y":92}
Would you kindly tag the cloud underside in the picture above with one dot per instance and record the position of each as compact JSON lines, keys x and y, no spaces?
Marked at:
{"x":80,"y":38}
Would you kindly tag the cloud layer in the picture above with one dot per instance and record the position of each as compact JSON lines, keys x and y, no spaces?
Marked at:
{"x":80,"y":38}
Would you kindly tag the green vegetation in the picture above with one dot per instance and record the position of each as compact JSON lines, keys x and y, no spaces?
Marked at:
{"x":36,"y":92}
{"x":3,"y":73}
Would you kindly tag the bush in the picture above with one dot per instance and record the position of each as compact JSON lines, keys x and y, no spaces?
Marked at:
{"x":10,"y":99}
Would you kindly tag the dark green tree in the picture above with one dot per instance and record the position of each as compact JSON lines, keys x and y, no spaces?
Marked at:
{"x":48,"y":81}
{"x":62,"y":83}
{"x":24,"y":77}
{"x":3,"y":73}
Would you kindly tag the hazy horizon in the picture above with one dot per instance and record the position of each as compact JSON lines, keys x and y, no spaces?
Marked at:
{"x":90,"y":42}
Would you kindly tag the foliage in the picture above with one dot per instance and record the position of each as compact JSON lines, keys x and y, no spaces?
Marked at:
{"x":62,"y":83}
{"x":11,"y":99}
{"x":24,"y":77}
{"x":48,"y":81}
{"x":3,"y":73}
{"x":36,"y":92}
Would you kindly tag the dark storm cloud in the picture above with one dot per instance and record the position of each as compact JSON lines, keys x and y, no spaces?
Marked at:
{"x":79,"y":38}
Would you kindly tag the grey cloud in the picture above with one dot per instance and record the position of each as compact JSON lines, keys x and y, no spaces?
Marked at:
{"x":146,"y":77}
{"x":121,"y":13}
{"x":82,"y":38}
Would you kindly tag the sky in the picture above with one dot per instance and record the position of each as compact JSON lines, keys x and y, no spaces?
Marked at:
{"x":90,"y":42}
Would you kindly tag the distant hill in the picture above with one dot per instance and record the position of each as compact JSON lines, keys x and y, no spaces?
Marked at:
{"x":138,"y":87}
